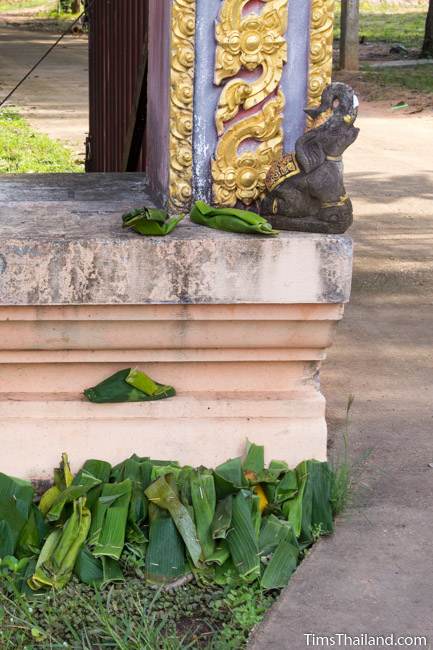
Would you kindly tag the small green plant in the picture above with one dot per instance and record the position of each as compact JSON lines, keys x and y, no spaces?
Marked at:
{"x":342,"y":483}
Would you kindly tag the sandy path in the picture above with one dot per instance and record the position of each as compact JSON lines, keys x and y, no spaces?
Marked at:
{"x":375,"y":575}
{"x":55,"y":99}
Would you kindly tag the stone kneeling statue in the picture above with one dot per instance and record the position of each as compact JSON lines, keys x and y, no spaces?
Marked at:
{"x":306,"y":189}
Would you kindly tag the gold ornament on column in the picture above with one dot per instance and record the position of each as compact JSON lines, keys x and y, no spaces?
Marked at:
{"x":248,"y":42}
{"x":321,"y":42}
{"x":182,"y":103}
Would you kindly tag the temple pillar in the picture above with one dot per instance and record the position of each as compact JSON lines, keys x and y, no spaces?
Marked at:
{"x":228,"y":84}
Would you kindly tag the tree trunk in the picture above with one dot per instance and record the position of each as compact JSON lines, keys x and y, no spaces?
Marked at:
{"x":76,"y":6}
{"x":349,"y":41}
{"x":427,"y":48}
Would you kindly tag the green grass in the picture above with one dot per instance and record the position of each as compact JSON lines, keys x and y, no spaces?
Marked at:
{"x":418,"y":77}
{"x":11,"y":5}
{"x":132,"y":616}
{"x":405,"y":27}
{"x":22,"y":150}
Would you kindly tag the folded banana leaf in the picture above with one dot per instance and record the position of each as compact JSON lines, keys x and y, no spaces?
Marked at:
{"x":254,"y":463}
{"x":287,"y":488}
{"x":108,"y":530}
{"x":310,"y":511}
{"x":63,"y":479}
{"x":204,"y":503}
{"x":281,"y":567}
{"x":69,"y":495}
{"x":223,"y":518}
{"x":165,"y":557}
{"x":242,"y":537}
{"x":151,"y":222}
{"x":97,"y":572}
{"x":91,"y":470}
{"x":220,"y":555}
{"x":128,"y":386}
{"x":229,"y":478}
{"x":59,"y":554}
{"x":32,"y":534}
{"x":272,"y":532}
{"x":138,"y":471}
{"x":162,"y":495}
{"x":231,"y":220}
{"x":16,"y":497}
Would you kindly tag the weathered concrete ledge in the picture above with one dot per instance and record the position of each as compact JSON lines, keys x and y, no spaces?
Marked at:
{"x":65,"y":246}
{"x":238,"y":324}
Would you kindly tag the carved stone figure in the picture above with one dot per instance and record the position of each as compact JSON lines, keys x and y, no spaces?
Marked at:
{"x":306,"y":188}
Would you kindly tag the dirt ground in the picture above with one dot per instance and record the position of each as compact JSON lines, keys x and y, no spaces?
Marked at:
{"x":55,"y":99}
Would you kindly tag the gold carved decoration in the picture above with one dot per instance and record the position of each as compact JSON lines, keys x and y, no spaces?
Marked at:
{"x":182,"y":103}
{"x":248,"y":42}
{"x":321,"y":41}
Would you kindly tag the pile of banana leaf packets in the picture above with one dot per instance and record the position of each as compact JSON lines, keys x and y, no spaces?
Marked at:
{"x":239,"y":523}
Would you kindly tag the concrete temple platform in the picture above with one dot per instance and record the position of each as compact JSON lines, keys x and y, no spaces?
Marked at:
{"x":238,"y":324}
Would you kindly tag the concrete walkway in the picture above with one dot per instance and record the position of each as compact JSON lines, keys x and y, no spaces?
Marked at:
{"x":55,"y":99}
{"x":376,"y":574}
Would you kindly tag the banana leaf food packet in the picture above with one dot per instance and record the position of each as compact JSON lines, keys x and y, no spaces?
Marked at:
{"x":231,"y":220}
{"x":128,"y":385}
{"x":151,"y":222}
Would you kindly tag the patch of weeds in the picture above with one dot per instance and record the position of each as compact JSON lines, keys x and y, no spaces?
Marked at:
{"x":346,"y":471}
{"x":23,"y":150}
{"x":418,"y":77}
{"x":132,"y":616}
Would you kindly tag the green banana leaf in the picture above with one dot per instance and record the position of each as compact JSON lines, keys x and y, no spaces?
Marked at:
{"x":254,"y":463}
{"x":229,"y":478}
{"x":151,"y":222}
{"x":272,"y":532}
{"x":292,"y":508}
{"x":204,"y":503}
{"x":97,"y":572}
{"x":310,"y":511}
{"x":159,"y":471}
{"x":93,"y":469}
{"x":223,"y":518}
{"x":108,"y":530}
{"x":281,"y":567}
{"x":63,"y":478}
{"x":231,"y":220}
{"x":165,"y":557}
{"x":242,"y":538}
{"x":139,"y":472}
{"x":287,"y":488}
{"x":32,"y":534}
{"x":278,"y":467}
{"x":59,"y":554}
{"x":220,"y":555}
{"x":118,"y":388}
{"x":318,"y":491}
{"x":16,"y":497}
{"x":162,"y":495}
{"x":68,"y":496}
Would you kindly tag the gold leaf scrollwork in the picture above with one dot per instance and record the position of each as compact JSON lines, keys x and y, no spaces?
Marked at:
{"x":242,"y":176}
{"x":321,"y":40}
{"x":182,"y":103}
{"x":248,"y":42}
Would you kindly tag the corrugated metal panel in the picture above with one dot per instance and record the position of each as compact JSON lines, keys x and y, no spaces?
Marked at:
{"x":117,"y":34}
